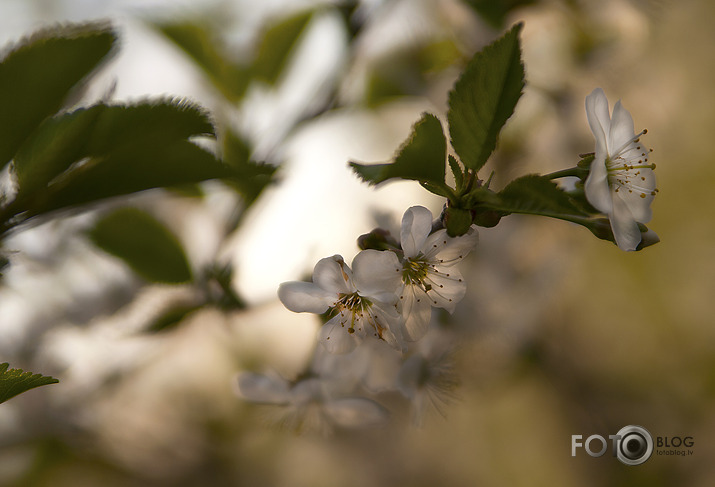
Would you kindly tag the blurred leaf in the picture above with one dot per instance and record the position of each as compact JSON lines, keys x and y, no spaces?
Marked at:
{"x":251,"y":178}
{"x":172,"y":317}
{"x":484,"y":97}
{"x":438,"y":55}
{"x":383,"y":87}
{"x":57,"y":144}
{"x":537,"y":195}
{"x":276,"y":46}
{"x":109,"y":151}
{"x":147,"y":124}
{"x":198,"y":43}
{"x":37,"y":75}
{"x":421,"y":157}
{"x":17,"y":381}
{"x":495,"y":11}
{"x":403,"y":71}
{"x":144,"y":244}
{"x":126,"y":171}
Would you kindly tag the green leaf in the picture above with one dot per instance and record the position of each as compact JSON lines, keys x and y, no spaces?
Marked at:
{"x":457,"y":221}
{"x":251,"y":177}
{"x":421,"y":157}
{"x":146,"y":125}
{"x":484,"y":97}
{"x":110,"y":151}
{"x":456,"y":171}
{"x":17,"y":381}
{"x":172,"y":317}
{"x":276,"y":46}
{"x":37,"y":75}
{"x":197,"y":42}
{"x":126,"y":172}
{"x":144,"y":244}
{"x":58,"y":143}
{"x":536,"y":195}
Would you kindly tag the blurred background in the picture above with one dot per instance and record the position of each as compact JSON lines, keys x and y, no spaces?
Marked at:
{"x":560,"y":333}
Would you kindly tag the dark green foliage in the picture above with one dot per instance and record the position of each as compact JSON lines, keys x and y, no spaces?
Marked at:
{"x":144,"y":244}
{"x":484,"y":98}
{"x":196,"y":41}
{"x":17,"y":381}
{"x":38,"y":74}
{"x":421,"y":157}
{"x":537,"y":195}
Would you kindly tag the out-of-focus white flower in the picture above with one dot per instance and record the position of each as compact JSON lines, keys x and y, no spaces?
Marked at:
{"x":429,"y":277}
{"x":621,"y":181}
{"x":362,"y":300}
{"x":428,"y":379}
{"x":307,"y":404}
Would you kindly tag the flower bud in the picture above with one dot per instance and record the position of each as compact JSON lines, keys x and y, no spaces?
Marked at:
{"x":457,"y":221}
{"x":378,"y":239}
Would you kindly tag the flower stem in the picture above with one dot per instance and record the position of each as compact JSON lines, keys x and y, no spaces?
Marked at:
{"x":564,"y":173}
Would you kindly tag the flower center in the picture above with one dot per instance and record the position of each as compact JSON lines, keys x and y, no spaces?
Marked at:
{"x":414,"y":270}
{"x":626,"y":168}
{"x":352,"y":307}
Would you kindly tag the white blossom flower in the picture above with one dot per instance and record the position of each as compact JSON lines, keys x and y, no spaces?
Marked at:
{"x":307,"y":404}
{"x":429,"y":277}
{"x":362,"y":300}
{"x":621,"y":181}
{"x":428,"y":377}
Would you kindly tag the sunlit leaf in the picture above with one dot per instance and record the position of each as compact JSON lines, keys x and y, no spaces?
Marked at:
{"x":144,"y":244}
{"x":421,"y":157}
{"x":38,"y":74}
{"x":17,"y":381}
{"x":484,"y":98}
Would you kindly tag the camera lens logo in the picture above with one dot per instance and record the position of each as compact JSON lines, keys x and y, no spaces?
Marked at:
{"x":634,"y":445}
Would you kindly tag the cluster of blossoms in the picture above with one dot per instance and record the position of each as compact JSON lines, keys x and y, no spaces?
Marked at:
{"x":375,"y":309}
{"x":377,"y":335}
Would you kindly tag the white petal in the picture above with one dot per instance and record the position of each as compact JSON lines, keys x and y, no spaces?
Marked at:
{"x":621,"y":130}
{"x":448,"y":288}
{"x":638,"y":201}
{"x":335,"y":338}
{"x":416,"y":226}
{"x":388,"y":322}
{"x":305,"y":297}
{"x":597,"y":190}
{"x":377,"y":274}
{"x":409,"y":377}
{"x":394,"y":338}
{"x":263,"y":388}
{"x":445,"y":250}
{"x":598,"y":118}
{"x":416,"y":312}
{"x":306,"y":391}
{"x":625,"y":229}
{"x":333,"y":274}
{"x":353,"y":412}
